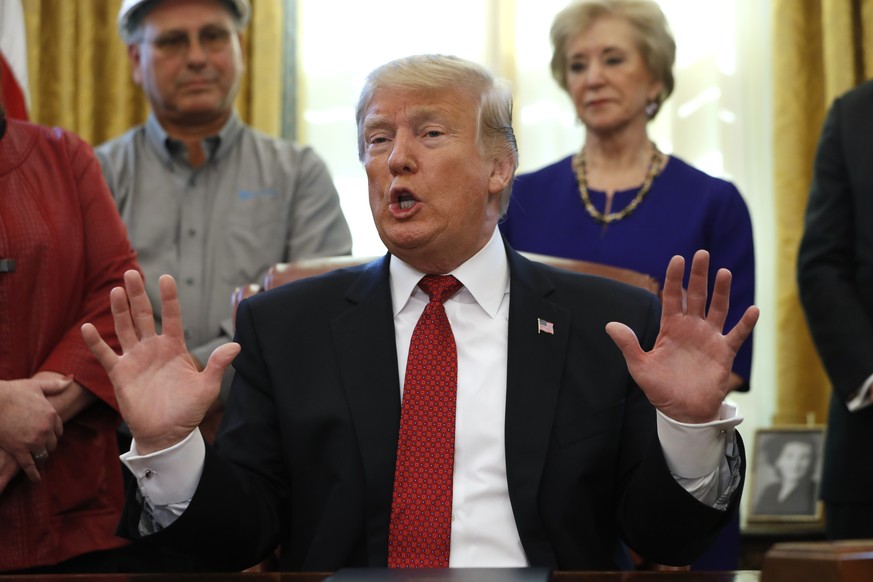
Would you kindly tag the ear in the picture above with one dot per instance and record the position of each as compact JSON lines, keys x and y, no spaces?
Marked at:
{"x":655,"y":90}
{"x":502,"y":170}
{"x":134,"y":55}
{"x":241,"y":38}
{"x":241,"y":53}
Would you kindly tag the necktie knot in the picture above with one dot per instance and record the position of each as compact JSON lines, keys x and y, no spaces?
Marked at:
{"x":439,"y":287}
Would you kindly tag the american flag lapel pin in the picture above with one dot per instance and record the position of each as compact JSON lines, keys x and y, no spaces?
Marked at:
{"x":544,"y":326}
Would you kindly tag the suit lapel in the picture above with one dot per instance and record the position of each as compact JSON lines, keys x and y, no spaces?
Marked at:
{"x":536,"y":364}
{"x":368,"y":364}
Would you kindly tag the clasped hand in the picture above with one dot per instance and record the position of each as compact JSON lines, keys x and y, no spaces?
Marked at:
{"x":685,"y":375}
{"x":29,"y":424}
{"x":162,"y":394}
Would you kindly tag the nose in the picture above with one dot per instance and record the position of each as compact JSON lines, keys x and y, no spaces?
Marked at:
{"x":402,"y":159}
{"x":196,"y":51}
{"x":594,"y":74}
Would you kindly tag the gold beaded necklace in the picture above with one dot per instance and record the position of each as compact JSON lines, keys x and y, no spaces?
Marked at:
{"x":579,"y":166}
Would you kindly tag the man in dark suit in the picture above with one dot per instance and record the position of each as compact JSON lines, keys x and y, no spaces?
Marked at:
{"x":559,"y":453}
{"x":835,"y":275}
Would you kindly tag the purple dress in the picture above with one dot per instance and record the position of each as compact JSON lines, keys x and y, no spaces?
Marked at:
{"x":684,"y":211}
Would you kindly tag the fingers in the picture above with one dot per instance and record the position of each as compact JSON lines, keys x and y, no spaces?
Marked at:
{"x":220,"y":360}
{"x":28,"y":465}
{"x":672,"y":294}
{"x":101,"y":350}
{"x":140,"y":307}
{"x":171,"y":310}
{"x":626,"y":340}
{"x":8,"y":469}
{"x":698,"y":284}
{"x":721,"y":299}
{"x":56,"y":432}
{"x":125,"y":330}
{"x":54,"y":386}
{"x":743,"y":328}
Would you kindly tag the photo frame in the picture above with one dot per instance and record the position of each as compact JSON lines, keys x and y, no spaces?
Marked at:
{"x":786,"y":475}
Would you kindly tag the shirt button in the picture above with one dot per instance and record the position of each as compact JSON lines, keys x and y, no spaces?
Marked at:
{"x":148,"y":474}
{"x":189,"y":281}
{"x":192,"y":232}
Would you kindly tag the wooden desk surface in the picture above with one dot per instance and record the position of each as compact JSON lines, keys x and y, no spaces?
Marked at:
{"x":739,"y":576}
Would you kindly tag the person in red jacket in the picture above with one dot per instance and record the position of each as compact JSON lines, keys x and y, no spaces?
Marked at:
{"x":62,"y":248}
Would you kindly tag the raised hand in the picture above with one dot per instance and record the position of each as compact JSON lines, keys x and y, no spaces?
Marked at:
{"x":161,"y":393}
{"x":29,"y":424}
{"x":686,"y":374}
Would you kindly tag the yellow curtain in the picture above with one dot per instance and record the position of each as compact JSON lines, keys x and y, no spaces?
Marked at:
{"x":818,"y":54}
{"x":80,"y":76}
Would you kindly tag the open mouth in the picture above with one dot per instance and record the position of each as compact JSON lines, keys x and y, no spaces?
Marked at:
{"x":405,"y":201}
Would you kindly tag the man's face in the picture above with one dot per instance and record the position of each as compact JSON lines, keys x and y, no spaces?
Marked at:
{"x":434,"y":192}
{"x":189,"y":62}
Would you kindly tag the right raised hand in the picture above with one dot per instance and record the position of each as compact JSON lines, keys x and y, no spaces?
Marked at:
{"x":161,"y":394}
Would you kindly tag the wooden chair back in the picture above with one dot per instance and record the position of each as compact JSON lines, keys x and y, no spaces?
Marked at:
{"x":282,"y":273}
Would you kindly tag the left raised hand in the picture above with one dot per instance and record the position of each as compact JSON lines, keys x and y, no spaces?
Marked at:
{"x":686,"y":374}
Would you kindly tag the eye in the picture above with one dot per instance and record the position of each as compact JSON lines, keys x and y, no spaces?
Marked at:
{"x":377,"y":139}
{"x":214,"y":37}
{"x":433,"y":133}
{"x":577,"y":67}
{"x":171,"y":42}
{"x":613,"y":61}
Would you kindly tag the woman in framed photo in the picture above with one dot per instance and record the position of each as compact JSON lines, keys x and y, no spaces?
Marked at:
{"x":793,"y":458}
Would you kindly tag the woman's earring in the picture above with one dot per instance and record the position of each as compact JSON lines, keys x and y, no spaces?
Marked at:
{"x":651,"y":108}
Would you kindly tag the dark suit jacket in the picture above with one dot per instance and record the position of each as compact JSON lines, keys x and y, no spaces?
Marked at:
{"x":835,"y":274}
{"x":307,"y":448}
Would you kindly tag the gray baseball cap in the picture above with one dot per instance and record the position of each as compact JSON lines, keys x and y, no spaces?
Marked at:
{"x":126,"y":15}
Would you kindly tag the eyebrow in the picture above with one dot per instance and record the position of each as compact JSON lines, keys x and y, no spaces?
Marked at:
{"x":172,"y":29}
{"x":417,"y":115}
{"x":608,"y":49}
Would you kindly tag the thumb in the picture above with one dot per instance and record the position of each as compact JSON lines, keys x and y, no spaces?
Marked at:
{"x":220,"y":360}
{"x":626,"y":340}
{"x":53,"y":386}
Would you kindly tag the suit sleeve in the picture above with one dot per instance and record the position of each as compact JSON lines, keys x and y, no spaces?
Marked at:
{"x":234,"y":519}
{"x":831,"y":285}
{"x":658,"y":518}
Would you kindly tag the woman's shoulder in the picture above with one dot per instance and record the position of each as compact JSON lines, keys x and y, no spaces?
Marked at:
{"x":563,"y":166}
{"x":557,"y":172}
{"x":682,"y":175}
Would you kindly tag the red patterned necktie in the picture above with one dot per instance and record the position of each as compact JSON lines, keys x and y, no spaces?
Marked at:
{"x":421,"y":509}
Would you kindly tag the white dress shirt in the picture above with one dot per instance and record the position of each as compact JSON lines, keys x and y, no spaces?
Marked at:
{"x":483,"y":526}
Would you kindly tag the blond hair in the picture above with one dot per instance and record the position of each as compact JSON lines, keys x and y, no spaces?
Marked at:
{"x":651,"y":31}
{"x":441,"y":72}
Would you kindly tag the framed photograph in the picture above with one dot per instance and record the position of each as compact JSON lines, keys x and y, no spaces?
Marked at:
{"x":786,"y":473}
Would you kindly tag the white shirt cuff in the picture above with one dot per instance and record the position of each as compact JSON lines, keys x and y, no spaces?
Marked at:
{"x":171,"y":475}
{"x":861,"y":399}
{"x":694,"y":451}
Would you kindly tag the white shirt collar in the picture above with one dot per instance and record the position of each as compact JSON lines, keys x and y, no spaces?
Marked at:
{"x":485,"y":277}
